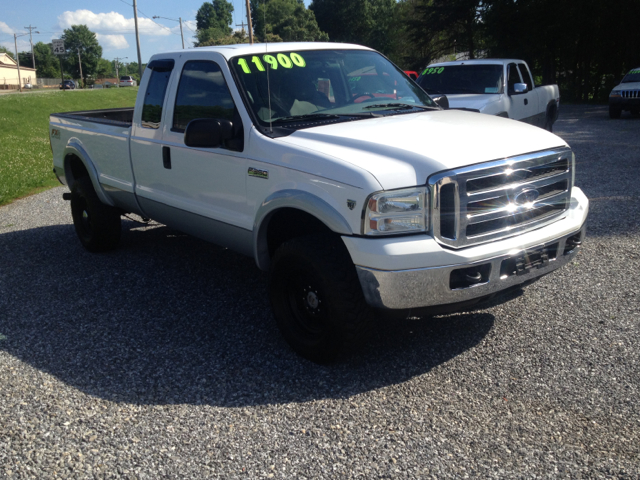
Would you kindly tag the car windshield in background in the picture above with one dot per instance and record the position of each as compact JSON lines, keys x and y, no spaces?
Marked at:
{"x":632,"y":76}
{"x":333,"y":85}
{"x":461,"y":79}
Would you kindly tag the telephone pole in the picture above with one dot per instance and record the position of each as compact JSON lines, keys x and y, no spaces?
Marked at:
{"x":117,"y":70}
{"x":135,"y":18}
{"x":33,"y":58}
{"x":80,"y":63}
{"x":249,"y":20}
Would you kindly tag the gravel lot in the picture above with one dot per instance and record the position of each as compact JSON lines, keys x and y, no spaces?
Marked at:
{"x":161,"y":359}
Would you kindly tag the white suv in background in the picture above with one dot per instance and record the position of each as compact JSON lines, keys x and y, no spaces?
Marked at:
{"x":127,"y":81}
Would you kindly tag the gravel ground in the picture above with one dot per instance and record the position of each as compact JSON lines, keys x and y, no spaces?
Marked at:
{"x":162,"y":360}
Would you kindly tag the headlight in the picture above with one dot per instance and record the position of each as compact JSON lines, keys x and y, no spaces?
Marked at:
{"x":615,"y":93}
{"x":396,"y":211}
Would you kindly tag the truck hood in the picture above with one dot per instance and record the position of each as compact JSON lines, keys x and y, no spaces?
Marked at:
{"x":476,"y":102}
{"x":403,"y":150}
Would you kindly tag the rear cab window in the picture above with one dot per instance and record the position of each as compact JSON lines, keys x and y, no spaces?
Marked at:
{"x":156,"y":91}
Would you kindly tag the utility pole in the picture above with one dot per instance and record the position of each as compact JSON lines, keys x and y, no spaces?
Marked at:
{"x":33,"y":58}
{"x":135,"y":17}
{"x":174,"y":20}
{"x":15,"y":43}
{"x":249,"y":20}
{"x":80,"y":63}
{"x":117,"y":71}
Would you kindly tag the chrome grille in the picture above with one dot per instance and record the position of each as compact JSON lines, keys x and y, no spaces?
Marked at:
{"x":498,"y":199}
{"x":630,"y":93}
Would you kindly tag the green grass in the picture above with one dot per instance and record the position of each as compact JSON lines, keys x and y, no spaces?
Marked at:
{"x":26,"y":164}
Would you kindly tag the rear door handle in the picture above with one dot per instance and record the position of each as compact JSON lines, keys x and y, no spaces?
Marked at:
{"x":166,"y":157}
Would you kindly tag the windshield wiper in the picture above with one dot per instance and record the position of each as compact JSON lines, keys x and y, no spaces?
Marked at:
{"x":399,"y":106}
{"x":308,"y":116}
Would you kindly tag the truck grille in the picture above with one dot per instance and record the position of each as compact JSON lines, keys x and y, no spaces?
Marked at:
{"x":494,"y":200}
{"x":630,"y":93}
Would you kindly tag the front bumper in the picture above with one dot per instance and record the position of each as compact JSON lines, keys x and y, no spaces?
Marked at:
{"x":488,"y":268}
{"x":624,"y":103}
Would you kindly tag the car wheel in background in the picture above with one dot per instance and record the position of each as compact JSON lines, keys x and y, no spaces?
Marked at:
{"x":614,"y":112}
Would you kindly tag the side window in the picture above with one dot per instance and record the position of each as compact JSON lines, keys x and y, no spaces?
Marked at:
{"x":156,"y":90}
{"x":524,"y":72}
{"x":202,"y":93}
{"x":514,"y":76}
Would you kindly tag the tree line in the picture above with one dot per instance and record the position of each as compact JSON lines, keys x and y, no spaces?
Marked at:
{"x":584,"y":46}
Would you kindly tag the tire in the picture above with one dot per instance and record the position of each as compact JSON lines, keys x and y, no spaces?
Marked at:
{"x":614,"y":112}
{"x":635,"y":111}
{"x":316,"y":298}
{"x":97,"y":225}
{"x":548,"y":122}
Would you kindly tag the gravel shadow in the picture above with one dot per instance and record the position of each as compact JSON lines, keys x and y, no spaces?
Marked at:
{"x":170,"y":319}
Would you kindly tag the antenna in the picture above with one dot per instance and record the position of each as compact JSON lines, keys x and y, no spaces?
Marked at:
{"x":266,"y":50}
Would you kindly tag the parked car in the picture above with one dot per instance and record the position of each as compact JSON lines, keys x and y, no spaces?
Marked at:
{"x":502,"y":87}
{"x":127,"y":81}
{"x":68,"y":85}
{"x":626,"y":96}
{"x":338,"y":174}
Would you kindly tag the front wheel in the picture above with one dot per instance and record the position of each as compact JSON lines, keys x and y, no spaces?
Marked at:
{"x":317,"y":299}
{"x":614,"y":112}
{"x":97,"y":225}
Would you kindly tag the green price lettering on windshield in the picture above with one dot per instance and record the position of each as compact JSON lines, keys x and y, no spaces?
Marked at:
{"x":430,"y":70}
{"x":634,"y":71}
{"x":282,"y":59}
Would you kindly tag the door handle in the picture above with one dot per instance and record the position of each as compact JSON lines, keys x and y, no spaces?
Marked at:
{"x":526,"y":101}
{"x":166,"y":157}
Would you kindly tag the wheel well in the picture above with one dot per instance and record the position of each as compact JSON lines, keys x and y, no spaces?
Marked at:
{"x":287,"y":223}
{"x":74,"y":169}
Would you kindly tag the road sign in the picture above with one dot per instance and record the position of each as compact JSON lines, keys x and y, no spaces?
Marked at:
{"x":58,"y":47}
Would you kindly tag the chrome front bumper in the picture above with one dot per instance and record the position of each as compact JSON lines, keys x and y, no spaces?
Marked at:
{"x":427,"y":287}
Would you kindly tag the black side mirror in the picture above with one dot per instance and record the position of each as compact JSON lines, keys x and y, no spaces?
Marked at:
{"x":441,"y":100}
{"x":208,"y":132}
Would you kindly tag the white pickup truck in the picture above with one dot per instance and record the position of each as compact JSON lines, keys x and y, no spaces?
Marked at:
{"x":502,"y":87}
{"x":355,"y":199}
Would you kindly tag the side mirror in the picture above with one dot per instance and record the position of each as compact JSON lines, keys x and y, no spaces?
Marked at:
{"x":520,"y":88}
{"x":441,"y":100}
{"x":207,"y":132}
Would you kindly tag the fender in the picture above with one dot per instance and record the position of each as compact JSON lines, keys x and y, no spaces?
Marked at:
{"x":300,"y":200}
{"x":75,"y":148}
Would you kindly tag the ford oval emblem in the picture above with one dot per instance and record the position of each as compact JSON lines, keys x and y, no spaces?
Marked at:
{"x":529,"y":195}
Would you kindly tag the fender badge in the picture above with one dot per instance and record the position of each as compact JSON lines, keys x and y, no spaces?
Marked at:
{"x":55,"y":133}
{"x":254,"y":172}
{"x":351,"y":204}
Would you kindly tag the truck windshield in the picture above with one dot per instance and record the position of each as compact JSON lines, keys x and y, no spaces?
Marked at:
{"x":289,"y":87}
{"x":461,"y":79}
{"x":632,"y":76}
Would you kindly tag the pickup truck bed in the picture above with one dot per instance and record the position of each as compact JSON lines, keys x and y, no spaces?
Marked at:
{"x":108,"y":116}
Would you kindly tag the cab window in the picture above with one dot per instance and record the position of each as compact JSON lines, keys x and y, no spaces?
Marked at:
{"x":156,"y":90}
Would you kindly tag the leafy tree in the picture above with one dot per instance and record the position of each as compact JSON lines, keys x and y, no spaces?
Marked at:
{"x":79,"y":37}
{"x":212,"y":22}
{"x":105,"y":69}
{"x":239,"y":36}
{"x":47,"y":64}
{"x":7,"y":51}
{"x":288,"y":21}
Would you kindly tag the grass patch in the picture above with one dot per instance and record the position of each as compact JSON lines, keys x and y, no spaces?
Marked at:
{"x":26,"y":164}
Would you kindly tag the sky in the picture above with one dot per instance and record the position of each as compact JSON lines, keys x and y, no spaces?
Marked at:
{"x":111,"y":20}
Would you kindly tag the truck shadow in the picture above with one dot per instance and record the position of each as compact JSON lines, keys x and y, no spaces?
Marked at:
{"x":170,"y":319}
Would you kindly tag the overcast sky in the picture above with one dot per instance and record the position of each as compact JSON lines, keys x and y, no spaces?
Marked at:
{"x":111,"y":20}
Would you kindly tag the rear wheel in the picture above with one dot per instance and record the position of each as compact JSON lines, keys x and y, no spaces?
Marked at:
{"x":614,"y":112}
{"x":317,"y":299}
{"x":97,"y":225}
